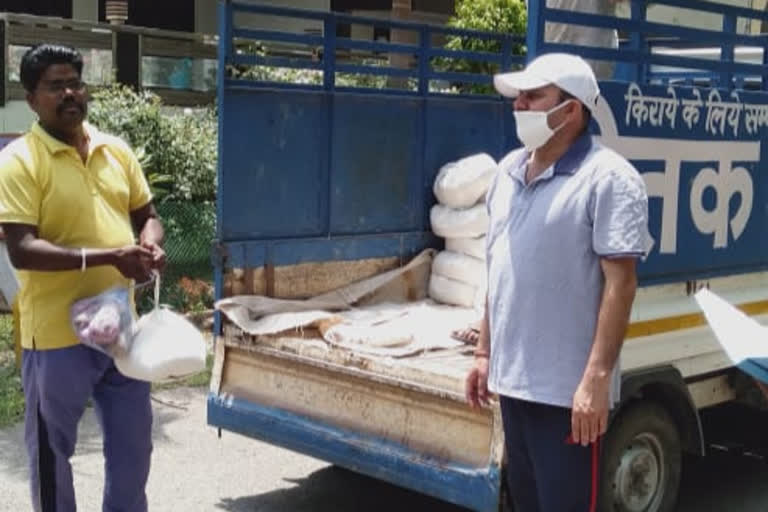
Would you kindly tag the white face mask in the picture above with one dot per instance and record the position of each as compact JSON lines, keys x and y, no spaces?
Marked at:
{"x":533,"y":128}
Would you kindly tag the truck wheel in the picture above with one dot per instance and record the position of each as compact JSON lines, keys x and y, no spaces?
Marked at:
{"x":641,"y":461}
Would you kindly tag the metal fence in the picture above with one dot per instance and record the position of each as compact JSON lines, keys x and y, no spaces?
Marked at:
{"x":188,"y":277}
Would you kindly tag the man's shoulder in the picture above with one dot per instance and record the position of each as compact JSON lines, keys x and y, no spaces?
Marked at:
{"x":511,"y":158}
{"x":505,"y":165}
{"x":20,"y":151}
{"x":606,"y":161}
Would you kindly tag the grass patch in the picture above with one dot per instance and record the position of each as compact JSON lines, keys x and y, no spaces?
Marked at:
{"x":197,"y":380}
{"x":11,"y":394}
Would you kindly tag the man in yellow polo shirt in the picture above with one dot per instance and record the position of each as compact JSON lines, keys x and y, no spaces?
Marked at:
{"x":71,"y":199}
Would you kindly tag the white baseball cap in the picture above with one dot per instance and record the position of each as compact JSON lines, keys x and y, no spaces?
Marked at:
{"x":568,"y":72}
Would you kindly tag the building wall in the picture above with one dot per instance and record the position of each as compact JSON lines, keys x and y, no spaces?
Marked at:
{"x":205,"y":17}
{"x":693,"y":18}
{"x":16,"y":117}
{"x":409,"y":37}
{"x":85,"y":10}
{"x":295,"y":25}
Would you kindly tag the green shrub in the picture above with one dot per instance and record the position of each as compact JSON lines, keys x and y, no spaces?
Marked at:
{"x":177,"y":150}
{"x":11,"y":394}
{"x":499,"y":16}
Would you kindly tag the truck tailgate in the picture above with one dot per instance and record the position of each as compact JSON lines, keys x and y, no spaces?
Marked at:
{"x":401,"y":420}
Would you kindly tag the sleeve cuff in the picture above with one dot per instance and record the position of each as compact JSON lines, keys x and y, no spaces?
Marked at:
{"x":18,"y":219}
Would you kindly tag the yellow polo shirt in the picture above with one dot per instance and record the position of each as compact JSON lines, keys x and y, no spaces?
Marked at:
{"x":44,"y":182}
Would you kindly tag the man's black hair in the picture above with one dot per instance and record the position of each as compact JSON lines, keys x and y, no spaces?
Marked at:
{"x":38,"y":58}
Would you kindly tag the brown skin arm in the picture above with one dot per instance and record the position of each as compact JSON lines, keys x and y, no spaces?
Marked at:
{"x":589,"y":416}
{"x":151,"y":233}
{"x":30,"y":252}
{"x":476,"y":383}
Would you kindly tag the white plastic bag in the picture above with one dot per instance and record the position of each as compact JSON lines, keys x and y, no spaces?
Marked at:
{"x":459,"y":267}
{"x":451,"y":223}
{"x":104,"y":322}
{"x":165,"y":345}
{"x":463,"y":183}
{"x":474,"y":247}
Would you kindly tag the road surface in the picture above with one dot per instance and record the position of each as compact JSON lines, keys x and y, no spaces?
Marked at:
{"x":194,"y":470}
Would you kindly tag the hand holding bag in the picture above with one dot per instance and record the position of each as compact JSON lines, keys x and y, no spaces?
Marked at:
{"x":165,"y":345}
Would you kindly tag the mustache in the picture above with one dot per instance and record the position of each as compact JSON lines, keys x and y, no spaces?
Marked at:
{"x":70,"y":103}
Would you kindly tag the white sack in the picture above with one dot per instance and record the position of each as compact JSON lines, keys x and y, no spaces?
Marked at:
{"x":448,"y":291}
{"x":450,"y":223}
{"x":459,"y":267}
{"x":165,"y":345}
{"x":474,"y":247}
{"x":463,"y":183}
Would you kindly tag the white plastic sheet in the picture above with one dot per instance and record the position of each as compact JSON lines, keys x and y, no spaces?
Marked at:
{"x":744,"y":340}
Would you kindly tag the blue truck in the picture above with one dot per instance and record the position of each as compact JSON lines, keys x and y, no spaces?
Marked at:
{"x":323,"y":184}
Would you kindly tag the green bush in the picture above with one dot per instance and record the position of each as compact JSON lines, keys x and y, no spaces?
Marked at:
{"x":177,"y":150}
{"x":500,"y":16}
{"x":11,"y":394}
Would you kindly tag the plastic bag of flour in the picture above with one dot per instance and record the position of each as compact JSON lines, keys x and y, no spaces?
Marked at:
{"x":165,"y":345}
{"x":474,"y":247}
{"x":448,"y":291}
{"x":462,"y":184}
{"x":459,"y":267}
{"x":465,"y":223}
{"x":104,"y":322}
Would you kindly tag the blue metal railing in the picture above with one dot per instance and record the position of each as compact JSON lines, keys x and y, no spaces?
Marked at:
{"x":424,"y":52}
{"x":640,"y":56}
{"x":639,"y":52}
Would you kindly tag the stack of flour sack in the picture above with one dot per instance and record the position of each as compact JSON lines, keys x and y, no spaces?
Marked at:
{"x":459,"y":273}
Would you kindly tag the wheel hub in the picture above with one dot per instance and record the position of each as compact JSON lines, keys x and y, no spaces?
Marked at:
{"x":639,"y":479}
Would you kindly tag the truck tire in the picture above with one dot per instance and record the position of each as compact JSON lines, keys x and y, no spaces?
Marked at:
{"x":641,"y":461}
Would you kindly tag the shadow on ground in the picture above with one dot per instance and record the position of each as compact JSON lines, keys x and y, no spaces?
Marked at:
{"x":333,"y":489}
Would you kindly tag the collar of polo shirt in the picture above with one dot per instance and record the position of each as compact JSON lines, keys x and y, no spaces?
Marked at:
{"x":54,"y":145}
{"x":569,"y":163}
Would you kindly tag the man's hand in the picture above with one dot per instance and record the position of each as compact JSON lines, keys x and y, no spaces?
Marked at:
{"x":158,"y":255}
{"x":476,"y":385}
{"x":134,"y":262}
{"x":589,"y":416}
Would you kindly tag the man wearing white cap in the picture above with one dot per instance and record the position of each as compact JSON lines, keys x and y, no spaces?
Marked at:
{"x":568,"y":220}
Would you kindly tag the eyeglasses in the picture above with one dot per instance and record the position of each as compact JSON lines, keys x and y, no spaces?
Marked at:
{"x":60,"y":86}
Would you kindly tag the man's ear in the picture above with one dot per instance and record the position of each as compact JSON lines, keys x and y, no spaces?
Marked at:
{"x":31,"y":101}
{"x":574,"y":107}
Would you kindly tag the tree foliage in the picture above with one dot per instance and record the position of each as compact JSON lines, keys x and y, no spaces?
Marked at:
{"x":499,"y":16}
{"x":178,"y":151}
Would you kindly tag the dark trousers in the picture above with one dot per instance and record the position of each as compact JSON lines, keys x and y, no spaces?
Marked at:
{"x":545,"y":472}
{"x":57,"y":386}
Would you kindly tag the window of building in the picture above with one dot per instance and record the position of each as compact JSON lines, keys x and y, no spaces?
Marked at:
{"x":165,"y":14}
{"x":58,"y":8}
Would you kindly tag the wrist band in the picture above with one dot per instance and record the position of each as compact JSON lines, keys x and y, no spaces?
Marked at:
{"x":482,"y":353}
{"x":82,"y":259}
